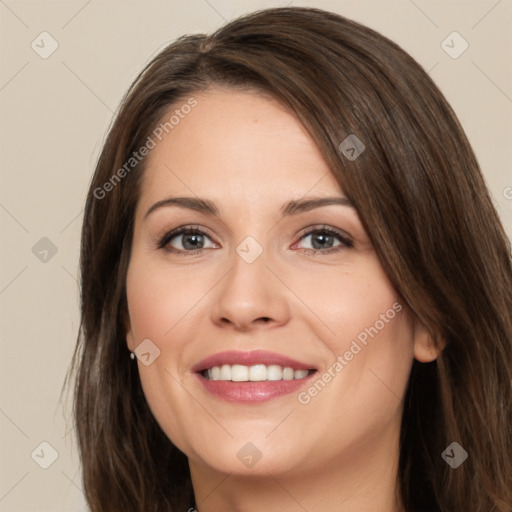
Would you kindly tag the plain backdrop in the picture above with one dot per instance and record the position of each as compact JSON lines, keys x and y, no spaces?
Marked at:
{"x":55,"y":111}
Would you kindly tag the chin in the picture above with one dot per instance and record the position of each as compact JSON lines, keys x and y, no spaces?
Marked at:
{"x":247,"y":459}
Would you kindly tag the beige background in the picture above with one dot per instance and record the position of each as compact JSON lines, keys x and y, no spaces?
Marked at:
{"x":54,"y":117}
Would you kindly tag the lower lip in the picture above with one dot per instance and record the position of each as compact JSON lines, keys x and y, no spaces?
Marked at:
{"x":252,"y":392}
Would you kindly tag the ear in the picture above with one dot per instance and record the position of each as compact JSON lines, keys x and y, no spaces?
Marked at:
{"x":425,"y":348}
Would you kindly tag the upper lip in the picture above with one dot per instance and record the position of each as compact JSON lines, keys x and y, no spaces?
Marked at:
{"x":250,"y":358}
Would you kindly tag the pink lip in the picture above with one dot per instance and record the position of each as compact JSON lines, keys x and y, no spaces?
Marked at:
{"x":250,"y":392}
{"x":248,"y":359}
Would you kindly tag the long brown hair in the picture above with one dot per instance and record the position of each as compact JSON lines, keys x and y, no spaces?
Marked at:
{"x":422,"y":199}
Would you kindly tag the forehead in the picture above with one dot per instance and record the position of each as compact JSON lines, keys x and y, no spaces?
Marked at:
{"x":237,"y":146}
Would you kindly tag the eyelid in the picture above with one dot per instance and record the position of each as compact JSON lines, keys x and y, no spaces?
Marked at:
{"x":168,"y":235}
{"x":323,"y":227}
{"x":344,"y":237}
{"x":163,"y":240}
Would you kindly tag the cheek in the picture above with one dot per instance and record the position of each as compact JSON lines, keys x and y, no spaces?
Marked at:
{"x":163,"y":306}
{"x":159,"y":299}
{"x":370,"y":346}
{"x":350,"y":302}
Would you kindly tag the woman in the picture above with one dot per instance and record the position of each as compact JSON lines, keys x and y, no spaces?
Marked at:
{"x":296,"y":292}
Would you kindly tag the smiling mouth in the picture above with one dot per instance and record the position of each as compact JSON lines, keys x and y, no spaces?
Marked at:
{"x":254,"y":373}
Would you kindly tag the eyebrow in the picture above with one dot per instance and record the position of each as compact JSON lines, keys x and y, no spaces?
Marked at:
{"x":292,"y":207}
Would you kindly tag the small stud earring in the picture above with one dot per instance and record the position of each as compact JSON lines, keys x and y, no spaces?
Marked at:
{"x":132,"y":355}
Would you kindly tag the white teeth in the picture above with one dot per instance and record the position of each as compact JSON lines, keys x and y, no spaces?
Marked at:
{"x":239,"y":373}
{"x":288,"y":374}
{"x":225,"y":372}
{"x":275,"y":372}
{"x":257,"y":372}
{"x":299,"y":374}
{"x":254,"y":373}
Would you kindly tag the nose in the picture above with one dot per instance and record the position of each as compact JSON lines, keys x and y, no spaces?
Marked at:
{"x":250,"y":296}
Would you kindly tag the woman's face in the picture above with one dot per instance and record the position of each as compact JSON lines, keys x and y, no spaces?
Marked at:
{"x":263,"y":285}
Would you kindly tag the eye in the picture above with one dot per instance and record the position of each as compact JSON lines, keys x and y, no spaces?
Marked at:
{"x":186,"y":240}
{"x":190,"y":240}
{"x":324,"y":240}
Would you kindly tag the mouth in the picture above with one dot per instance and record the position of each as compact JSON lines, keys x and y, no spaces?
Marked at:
{"x":250,"y":377}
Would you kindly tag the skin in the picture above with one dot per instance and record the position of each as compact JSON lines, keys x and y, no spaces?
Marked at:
{"x":339,"y":452}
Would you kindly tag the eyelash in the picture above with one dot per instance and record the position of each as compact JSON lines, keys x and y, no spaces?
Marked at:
{"x":346,"y":243}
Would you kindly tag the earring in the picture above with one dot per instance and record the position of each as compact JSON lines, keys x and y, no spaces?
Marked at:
{"x":132,"y":355}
